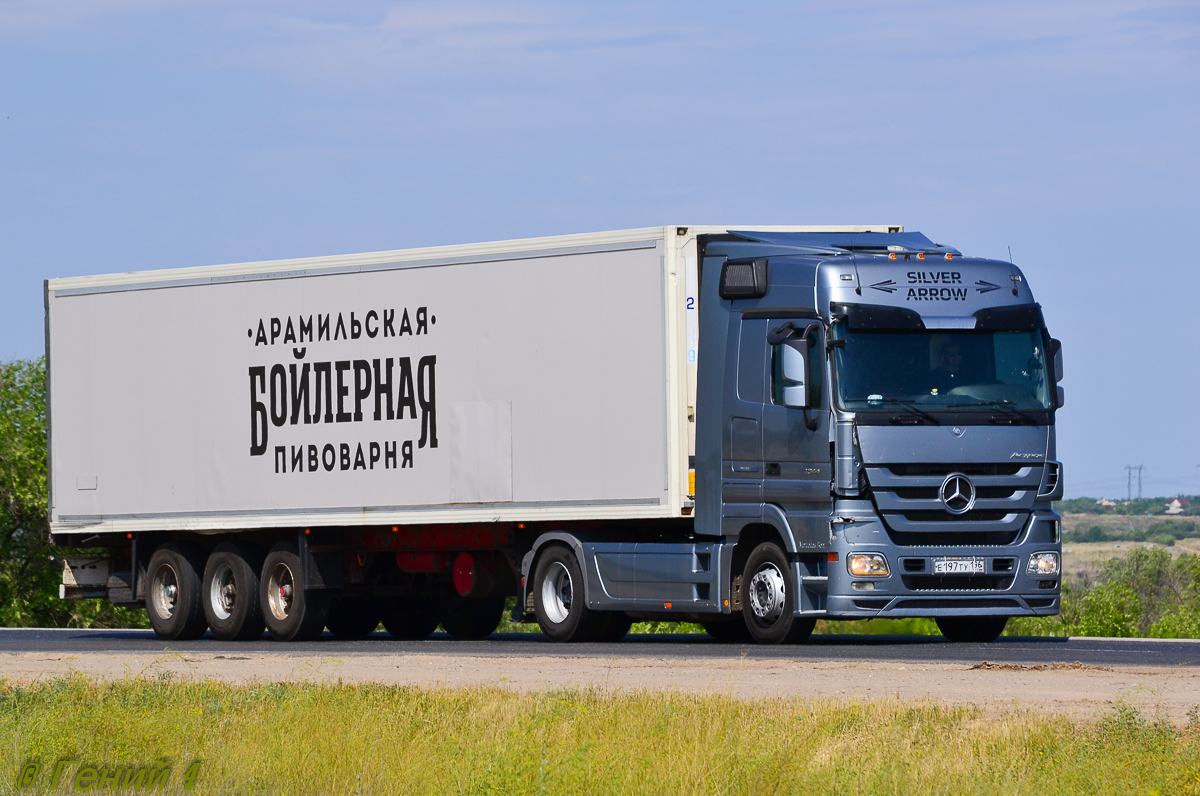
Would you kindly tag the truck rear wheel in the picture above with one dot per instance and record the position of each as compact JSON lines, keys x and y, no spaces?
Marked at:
{"x":558,"y":599}
{"x":353,"y":617}
{"x":979,"y":629}
{"x":472,"y":617}
{"x":769,"y":602}
{"x":410,"y":619}
{"x":231,"y":592}
{"x":292,"y":612}
{"x":173,"y":589}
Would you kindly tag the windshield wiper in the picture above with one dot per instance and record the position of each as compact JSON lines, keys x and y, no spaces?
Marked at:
{"x":1004,"y":406}
{"x":910,"y":407}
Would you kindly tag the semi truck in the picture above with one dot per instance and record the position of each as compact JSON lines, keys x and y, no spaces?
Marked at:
{"x":750,"y":428}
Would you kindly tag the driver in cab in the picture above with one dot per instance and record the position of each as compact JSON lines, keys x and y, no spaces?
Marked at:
{"x":950,"y":372}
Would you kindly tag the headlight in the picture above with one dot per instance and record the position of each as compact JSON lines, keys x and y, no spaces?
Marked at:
{"x":867,"y":565}
{"x":1042,"y":564}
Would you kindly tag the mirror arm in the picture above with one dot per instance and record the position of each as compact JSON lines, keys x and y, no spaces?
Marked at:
{"x":810,"y":422}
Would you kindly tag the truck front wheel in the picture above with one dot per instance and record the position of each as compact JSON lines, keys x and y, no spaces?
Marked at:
{"x":558,"y":599}
{"x":173,"y":599}
{"x":979,"y":629}
{"x":230,"y":592}
{"x":292,"y":612}
{"x":769,"y":600}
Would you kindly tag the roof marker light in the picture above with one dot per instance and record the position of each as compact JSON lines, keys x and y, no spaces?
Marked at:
{"x":921,"y":256}
{"x":949,"y":256}
{"x":892,"y":256}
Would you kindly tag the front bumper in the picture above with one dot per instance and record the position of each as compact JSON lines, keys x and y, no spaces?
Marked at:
{"x":911,"y":589}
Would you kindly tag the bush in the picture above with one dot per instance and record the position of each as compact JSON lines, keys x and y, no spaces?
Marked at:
{"x":1111,"y":610}
{"x":30,"y":569}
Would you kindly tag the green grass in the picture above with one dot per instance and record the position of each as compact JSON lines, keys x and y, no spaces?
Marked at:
{"x":325,"y":739}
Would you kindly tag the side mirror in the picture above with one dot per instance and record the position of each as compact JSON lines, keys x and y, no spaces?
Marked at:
{"x":1060,"y":398}
{"x":1057,"y":358}
{"x":793,"y":371}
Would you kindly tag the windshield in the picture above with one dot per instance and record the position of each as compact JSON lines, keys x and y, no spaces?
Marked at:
{"x":959,"y":370}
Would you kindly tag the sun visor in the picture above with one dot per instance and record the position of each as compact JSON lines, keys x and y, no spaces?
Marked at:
{"x":876,"y":316}
{"x":1015,"y":318}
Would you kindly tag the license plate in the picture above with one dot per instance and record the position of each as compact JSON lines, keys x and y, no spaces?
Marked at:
{"x":958,"y":565}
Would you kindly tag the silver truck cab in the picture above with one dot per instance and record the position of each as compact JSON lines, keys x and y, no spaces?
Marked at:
{"x":886,"y":407}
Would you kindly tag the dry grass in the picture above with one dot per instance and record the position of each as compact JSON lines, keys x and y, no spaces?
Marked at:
{"x":299,"y":739}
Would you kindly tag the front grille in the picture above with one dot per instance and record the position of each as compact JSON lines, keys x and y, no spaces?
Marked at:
{"x":931,"y":492}
{"x":927,"y":603}
{"x":951,"y":538}
{"x":957,"y":582}
{"x":946,"y":469}
{"x":979,"y":515}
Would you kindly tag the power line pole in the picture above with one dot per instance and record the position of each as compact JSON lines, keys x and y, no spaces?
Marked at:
{"x":1129,"y":482}
{"x":1140,"y":467}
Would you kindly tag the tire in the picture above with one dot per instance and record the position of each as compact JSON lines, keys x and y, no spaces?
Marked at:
{"x":353,"y":617}
{"x":558,"y":599}
{"x":471,"y":617}
{"x":614,"y":626}
{"x":410,"y":619}
{"x":231,"y":592}
{"x":769,"y":600}
{"x":291,"y":612}
{"x":978,"y":629}
{"x":173,"y":592}
{"x":728,"y":631}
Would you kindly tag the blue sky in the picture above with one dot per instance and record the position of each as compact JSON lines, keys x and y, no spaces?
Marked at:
{"x":145,"y":134}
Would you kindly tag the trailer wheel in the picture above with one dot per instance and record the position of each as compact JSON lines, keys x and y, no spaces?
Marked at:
{"x":769,"y":600}
{"x":614,"y":626}
{"x":353,"y":617}
{"x":292,"y":612}
{"x":728,"y":631}
{"x":558,"y":599}
{"x":980,"y":629}
{"x":173,"y":589}
{"x":410,"y":619}
{"x":471,"y":617}
{"x":231,"y":592}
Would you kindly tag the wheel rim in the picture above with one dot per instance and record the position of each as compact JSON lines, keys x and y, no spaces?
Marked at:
{"x":768,"y":593}
{"x":165,"y":591}
{"x":557,"y":591}
{"x":281,"y":590}
{"x":222,"y":594}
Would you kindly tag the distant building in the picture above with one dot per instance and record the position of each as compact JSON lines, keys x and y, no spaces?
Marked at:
{"x":1177,"y":506}
{"x":1105,"y":503}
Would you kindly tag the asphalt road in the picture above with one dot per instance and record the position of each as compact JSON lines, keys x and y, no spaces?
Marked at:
{"x":916,"y":649}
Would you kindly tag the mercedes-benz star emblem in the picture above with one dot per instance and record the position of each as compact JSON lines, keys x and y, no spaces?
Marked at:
{"x":957,"y":493}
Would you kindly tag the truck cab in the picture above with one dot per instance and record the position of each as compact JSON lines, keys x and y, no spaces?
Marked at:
{"x":883,"y":409}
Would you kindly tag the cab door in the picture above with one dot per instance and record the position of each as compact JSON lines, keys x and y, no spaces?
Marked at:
{"x":797,"y":466}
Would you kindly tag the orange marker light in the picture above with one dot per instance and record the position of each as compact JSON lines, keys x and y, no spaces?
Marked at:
{"x":949,"y":256}
{"x":395,"y":529}
{"x":921,"y":256}
{"x":307,"y":531}
{"x":521,"y":525}
{"x":892,"y":256}
{"x":831,"y":557}
{"x":666,"y":605}
{"x":128,"y":536}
